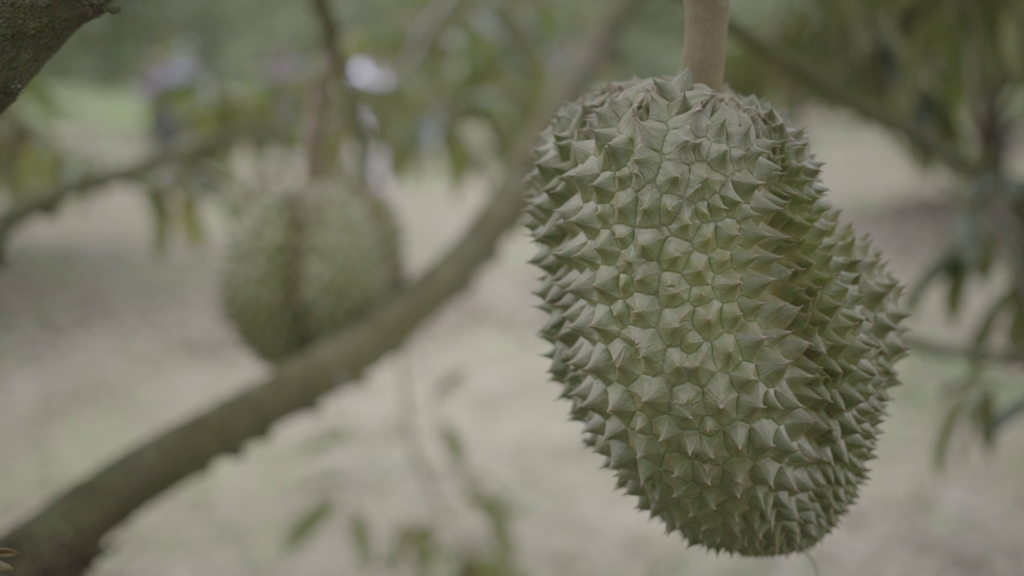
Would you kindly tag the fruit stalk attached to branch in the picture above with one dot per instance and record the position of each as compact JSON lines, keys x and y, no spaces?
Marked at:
{"x":707,"y":27}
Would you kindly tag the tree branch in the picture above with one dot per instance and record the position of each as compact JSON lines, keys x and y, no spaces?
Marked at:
{"x":64,"y":538}
{"x":31,"y":32}
{"x":50,"y":199}
{"x":820,"y":83}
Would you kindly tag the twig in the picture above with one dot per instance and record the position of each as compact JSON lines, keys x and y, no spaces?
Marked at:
{"x":64,"y":538}
{"x":50,"y":199}
{"x":820,"y":83}
{"x":707,"y":26}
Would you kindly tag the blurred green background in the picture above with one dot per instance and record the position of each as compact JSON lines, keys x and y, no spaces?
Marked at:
{"x":452,"y":456}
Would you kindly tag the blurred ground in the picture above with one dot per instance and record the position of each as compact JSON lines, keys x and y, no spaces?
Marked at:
{"x":102,"y":345}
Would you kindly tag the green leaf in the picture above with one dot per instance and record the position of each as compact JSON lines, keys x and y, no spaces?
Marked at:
{"x":308,"y":523}
{"x":983,"y":416}
{"x":946,"y":433}
{"x":453,"y":445}
{"x":448,"y":384}
{"x":415,"y":544}
{"x":984,"y":330}
{"x":499,"y":516}
{"x":1006,"y":415}
{"x":938,"y":268}
{"x":360,"y":532}
{"x":956,"y":274}
{"x":161,"y":217}
{"x":194,"y":229}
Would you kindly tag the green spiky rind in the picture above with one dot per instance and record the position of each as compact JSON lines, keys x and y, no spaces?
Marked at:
{"x":727,"y":344}
{"x":305,"y":264}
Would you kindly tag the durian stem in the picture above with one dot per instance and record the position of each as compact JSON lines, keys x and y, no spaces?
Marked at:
{"x":707,"y":27}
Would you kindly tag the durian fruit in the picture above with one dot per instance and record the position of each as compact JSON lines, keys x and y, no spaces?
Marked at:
{"x":303,"y":264}
{"x":728,"y":346}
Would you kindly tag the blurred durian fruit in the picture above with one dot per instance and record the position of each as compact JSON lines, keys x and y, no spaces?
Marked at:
{"x":727,"y":344}
{"x":306,"y":263}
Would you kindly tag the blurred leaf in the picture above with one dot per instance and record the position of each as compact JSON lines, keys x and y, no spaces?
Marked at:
{"x":308,"y":523}
{"x":956,"y":274}
{"x":946,"y":433}
{"x":938,"y":269}
{"x":7,"y":553}
{"x":499,"y":516}
{"x":453,"y":445}
{"x":360,"y":532}
{"x":325,"y":440}
{"x":985,"y":329}
{"x":161,"y":216}
{"x":1005,"y":416}
{"x":983,"y":415}
{"x":1017,"y":328}
{"x":449,"y":383}
{"x":415,"y":544}
{"x":194,"y":230}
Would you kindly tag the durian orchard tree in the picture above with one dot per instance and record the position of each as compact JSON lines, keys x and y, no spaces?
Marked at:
{"x":899,"y":92}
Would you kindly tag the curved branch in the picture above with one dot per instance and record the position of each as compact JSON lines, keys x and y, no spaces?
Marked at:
{"x":31,"y":32}
{"x":50,"y":199}
{"x":65,"y":537}
{"x":820,"y":83}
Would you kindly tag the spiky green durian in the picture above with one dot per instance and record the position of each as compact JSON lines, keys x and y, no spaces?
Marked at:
{"x":304,"y":264}
{"x":727,"y":345}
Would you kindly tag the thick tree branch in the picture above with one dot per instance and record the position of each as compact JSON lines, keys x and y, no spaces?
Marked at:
{"x":63,"y":539}
{"x":31,"y":32}
{"x":50,"y":199}
{"x":820,"y":83}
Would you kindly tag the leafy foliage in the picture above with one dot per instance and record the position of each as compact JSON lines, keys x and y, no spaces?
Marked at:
{"x":419,"y":546}
{"x":948,"y":76}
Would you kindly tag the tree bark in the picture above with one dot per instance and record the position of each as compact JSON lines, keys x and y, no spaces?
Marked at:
{"x":64,"y":538}
{"x":31,"y":32}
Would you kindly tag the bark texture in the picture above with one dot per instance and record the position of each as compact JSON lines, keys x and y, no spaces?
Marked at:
{"x":31,"y":32}
{"x":64,"y":538}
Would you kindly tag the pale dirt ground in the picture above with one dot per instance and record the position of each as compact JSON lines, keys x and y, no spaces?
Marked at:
{"x":102,"y":345}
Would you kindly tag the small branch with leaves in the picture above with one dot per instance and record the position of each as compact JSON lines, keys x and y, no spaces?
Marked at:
{"x":49,"y":200}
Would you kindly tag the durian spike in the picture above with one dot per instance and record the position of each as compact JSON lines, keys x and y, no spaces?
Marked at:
{"x":707,"y":27}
